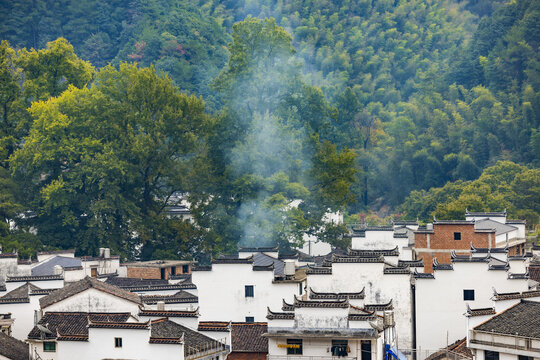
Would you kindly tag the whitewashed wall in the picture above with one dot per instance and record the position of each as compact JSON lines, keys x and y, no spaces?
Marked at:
{"x":440,"y":301}
{"x":92,"y":300}
{"x":23,"y":313}
{"x":42,"y":284}
{"x":222,"y":295}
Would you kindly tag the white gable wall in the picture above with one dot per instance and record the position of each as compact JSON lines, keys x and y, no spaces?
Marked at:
{"x":23,"y":313}
{"x":93,"y":300}
{"x":222,"y":293}
{"x":440,"y":301}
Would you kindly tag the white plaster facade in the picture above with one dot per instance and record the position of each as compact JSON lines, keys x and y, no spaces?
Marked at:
{"x":222,"y":294}
{"x":93,"y":300}
{"x":23,"y":315}
{"x":440,"y":303}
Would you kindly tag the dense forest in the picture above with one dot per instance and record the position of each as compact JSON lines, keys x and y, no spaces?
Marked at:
{"x":409,"y":109}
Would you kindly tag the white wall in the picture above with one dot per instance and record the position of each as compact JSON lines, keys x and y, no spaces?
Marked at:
{"x":222,"y":294}
{"x":23,"y":314}
{"x":45,"y":284}
{"x":92,"y":300}
{"x":440,"y":301}
{"x":8,"y":266}
{"x":321,"y":347}
{"x":380,"y":288}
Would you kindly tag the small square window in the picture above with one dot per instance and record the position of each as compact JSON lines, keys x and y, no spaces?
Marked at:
{"x":294,"y":346}
{"x":117,"y":342}
{"x":250,"y":319}
{"x":457,"y":236}
{"x":249,"y":291}
{"x":491,"y":355}
{"x":49,"y":346}
{"x":468,"y":295}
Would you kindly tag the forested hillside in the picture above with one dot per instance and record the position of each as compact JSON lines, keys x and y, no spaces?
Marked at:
{"x":402,"y":96}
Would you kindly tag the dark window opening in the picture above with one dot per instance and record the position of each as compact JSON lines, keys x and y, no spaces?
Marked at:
{"x":491,"y":355}
{"x":185,"y":269}
{"x":523,"y":357}
{"x":457,"y":236}
{"x":173,"y":270}
{"x":300,"y":288}
{"x":249,"y":291}
{"x":49,"y":346}
{"x":294,"y":346}
{"x":250,"y":319}
{"x":118,"y":342}
{"x":468,"y":295}
{"x":366,"y":350}
{"x":340,"y":348}
{"x":162,"y":273}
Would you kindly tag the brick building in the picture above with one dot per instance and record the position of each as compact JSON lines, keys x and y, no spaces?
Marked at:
{"x":157,"y":269}
{"x":439,"y":239}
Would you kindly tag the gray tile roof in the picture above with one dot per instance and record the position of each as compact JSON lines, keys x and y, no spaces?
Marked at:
{"x":488,"y":224}
{"x":47,"y":267}
{"x":12,"y":348}
{"x":177,"y":298}
{"x":82,"y":285}
{"x":19,"y":295}
{"x":263,"y":260}
{"x":247,"y":337}
{"x":194,"y":342}
{"x":522,"y":319}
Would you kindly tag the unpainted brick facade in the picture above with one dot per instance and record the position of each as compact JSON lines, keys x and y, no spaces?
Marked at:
{"x":444,"y":238}
{"x":145,"y":272}
{"x":247,"y":356}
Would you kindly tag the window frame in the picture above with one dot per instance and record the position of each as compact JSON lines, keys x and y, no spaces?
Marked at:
{"x":118,"y":343}
{"x":295,"y":351}
{"x":467,"y":293}
{"x":249,"y":291}
{"x":457,"y":235}
{"x":250,"y":319}
{"x":49,"y":343}
{"x":494,"y":355}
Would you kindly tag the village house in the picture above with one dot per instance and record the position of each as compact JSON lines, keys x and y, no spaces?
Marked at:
{"x":443,"y":296}
{"x":245,"y":286}
{"x":12,"y":349}
{"x":155,"y":269}
{"x":324,"y":329}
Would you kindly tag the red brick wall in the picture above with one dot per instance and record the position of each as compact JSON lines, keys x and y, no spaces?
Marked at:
{"x":442,"y":238}
{"x":143,"y":272}
{"x":247,"y":356}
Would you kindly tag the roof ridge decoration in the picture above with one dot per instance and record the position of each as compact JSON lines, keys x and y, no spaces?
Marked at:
{"x":479,"y":312}
{"x":169,"y":313}
{"x":357,"y":259}
{"x":379,"y":307}
{"x":258,"y":249}
{"x":505,"y":266}
{"x":411,"y":263}
{"x":279,"y":315}
{"x":286,"y":306}
{"x":418,"y":275}
{"x":466,"y":258}
{"x":390,"y":269}
{"x":248,"y":260}
{"x":34,"y":278}
{"x":515,"y":295}
{"x":523,"y":276}
{"x":299,"y":303}
{"x":338,"y":296}
{"x":224,"y":326}
{"x":437,"y":266}
{"x":316,"y":270}
{"x":373,"y":253}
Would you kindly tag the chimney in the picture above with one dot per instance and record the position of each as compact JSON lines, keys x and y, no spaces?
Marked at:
{"x":289,"y":268}
{"x":106,"y":253}
{"x":161,"y":305}
{"x":101,"y":252}
{"x":429,"y":226}
{"x":38,"y":314}
{"x":57,"y":270}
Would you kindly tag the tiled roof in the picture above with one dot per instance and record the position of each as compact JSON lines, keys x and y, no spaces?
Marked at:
{"x":522,"y":276}
{"x":19,"y":295}
{"x":214,"y":326}
{"x":359,"y":314}
{"x":534,"y":272}
{"x":123,"y":282}
{"x":437,"y":266}
{"x":34,"y":278}
{"x":453,"y":222}
{"x":71,"y":326}
{"x":299,"y":303}
{"x":458,"y":348}
{"x":279,"y":315}
{"x":157,"y":263}
{"x":479,"y":312}
{"x":493,"y":213}
{"x":194,"y":342}
{"x":12,"y":348}
{"x":315,"y":270}
{"x":170,"y":313}
{"x":247,"y":337}
{"x":159,"y":287}
{"x":119,"y":325}
{"x":47,"y":266}
{"x":503,"y":267}
{"x":373,"y":253}
{"x":177,"y":298}
{"x":286,"y":306}
{"x":488,"y":224}
{"x":522,"y":319}
{"x":225,"y":260}
{"x":379,"y":307}
{"x":379,"y":228}
{"x":405,"y":222}
{"x":419,"y":275}
{"x":411,"y":263}
{"x":513,"y":221}
{"x":8,"y":255}
{"x":396,"y":270}
{"x":82,"y":285}
{"x":357,"y":259}
{"x":515,"y":295}
{"x":503,"y":250}
{"x":258,"y":249}
{"x":265,"y":260}
{"x":336,"y":296}
{"x":466,"y":258}
{"x":201,"y":268}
